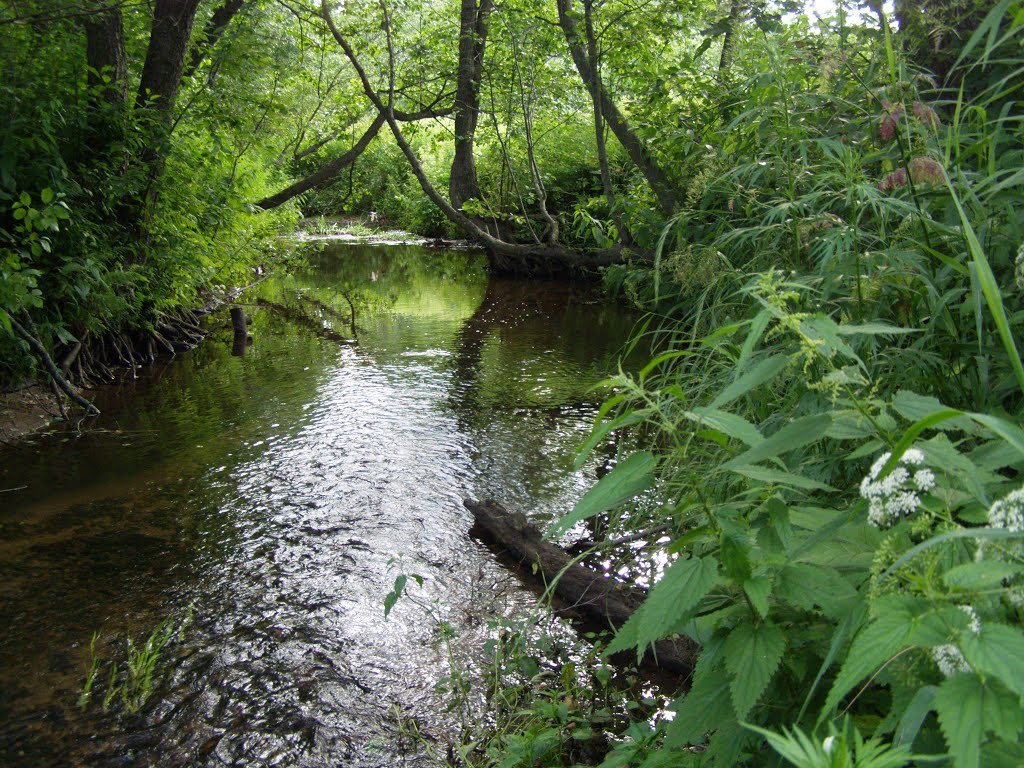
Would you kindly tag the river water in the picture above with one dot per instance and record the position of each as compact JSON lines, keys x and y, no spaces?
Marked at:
{"x":274,"y":497}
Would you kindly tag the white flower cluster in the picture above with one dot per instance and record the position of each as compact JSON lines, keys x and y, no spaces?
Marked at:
{"x":975,"y":620}
{"x":948,"y":657}
{"x":896,"y":495}
{"x":950,"y":660}
{"x":1008,"y":512}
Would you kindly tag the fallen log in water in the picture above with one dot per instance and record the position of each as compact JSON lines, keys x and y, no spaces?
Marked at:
{"x":598,"y":599}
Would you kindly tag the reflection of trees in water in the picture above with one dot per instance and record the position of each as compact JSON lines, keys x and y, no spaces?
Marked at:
{"x":525,"y":436}
{"x":558,"y":317}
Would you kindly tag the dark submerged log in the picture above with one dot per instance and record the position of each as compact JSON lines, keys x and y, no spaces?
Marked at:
{"x":599,"y":600}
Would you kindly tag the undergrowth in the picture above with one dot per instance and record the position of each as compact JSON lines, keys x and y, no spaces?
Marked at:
{"x":830,"y":421}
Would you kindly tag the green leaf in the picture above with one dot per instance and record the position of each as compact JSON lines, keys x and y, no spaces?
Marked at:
{"x":778,"y":477}
{"x":752,"y":654}
{"x":46,"y":195}
{"x":874,"y":329}
{"x":598,"y":434}
{"x":735,"y":556}
{"x":997,"y":650}
{"x":969,"y":708}
{"x":980,"y":575}
{"x":913,"y":716}
{"x":914,"y":407}
{"x":629,"y":478}
{"x":808,"y":586}
{"x":392,"y":597}
{"x":758,"y":589}
{"x":874,"y":645}
{"x":796,"y":434}
{"x":764,"y":371}
{"x":728,"y":423}
{"x":669,"y":603}
{"x":989,"y":288}
{"x":702,"y":709}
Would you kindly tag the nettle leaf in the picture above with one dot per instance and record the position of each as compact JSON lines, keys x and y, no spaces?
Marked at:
{"x":874,"y":329}
{"x":808,"y":586}
{"x":669,"y":603}
{"x":752,"y":654}
{"x":914,"y":407}
{"x":997,"y":650}
{"x":702,"y":709}
{"x":874,"y":645}
{"x":629,"y":478}
{"x":826,"y":331}
{"x":758,"y":590}
{"x":984,"y":574}
{"x":999,"y":754}
{"x":970,"y":708}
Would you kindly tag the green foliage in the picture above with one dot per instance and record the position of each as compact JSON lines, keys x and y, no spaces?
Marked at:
{"x":130,"y":680}
{"x":92,"y":241}
{"x":834,"y":404}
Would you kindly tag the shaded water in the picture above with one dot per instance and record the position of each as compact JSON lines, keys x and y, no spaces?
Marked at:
{"x":278,"y":494}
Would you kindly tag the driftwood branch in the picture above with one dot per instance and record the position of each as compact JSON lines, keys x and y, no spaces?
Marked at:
{"x":598,"y":599}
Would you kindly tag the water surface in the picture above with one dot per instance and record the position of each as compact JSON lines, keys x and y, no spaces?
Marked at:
{"x":277,"y":495}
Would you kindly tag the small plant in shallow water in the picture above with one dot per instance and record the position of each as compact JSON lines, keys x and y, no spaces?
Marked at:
{"x":131,"y":680}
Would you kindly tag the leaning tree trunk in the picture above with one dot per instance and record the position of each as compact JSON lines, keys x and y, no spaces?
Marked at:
{"x":473,"y":20}
{"x":635,"y":148}
{"x":212,"y":33}
{"x":601,"y":601}
{"x":165,"y":56}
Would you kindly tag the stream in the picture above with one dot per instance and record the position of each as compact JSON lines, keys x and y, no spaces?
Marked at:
{"x":274,"y":497}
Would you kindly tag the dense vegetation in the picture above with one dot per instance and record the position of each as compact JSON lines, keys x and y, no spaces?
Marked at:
{"x":825,"y":221}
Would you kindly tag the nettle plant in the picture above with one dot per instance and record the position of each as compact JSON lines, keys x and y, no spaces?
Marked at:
{"x":852,"y":565}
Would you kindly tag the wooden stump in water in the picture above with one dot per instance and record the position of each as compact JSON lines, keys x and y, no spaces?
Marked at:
{"x":599,"y":600}
{"x":242,"y":340}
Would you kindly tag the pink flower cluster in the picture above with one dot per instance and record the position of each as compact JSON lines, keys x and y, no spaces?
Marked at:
{"x":891,"y":118}
{"x":920,"y":170}
{"x":893,"y":112}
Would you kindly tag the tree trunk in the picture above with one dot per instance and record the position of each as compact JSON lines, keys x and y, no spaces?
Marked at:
{"x":212,"y":32}
{"x":329,"y":171}
{"x":326,"y":172}
{"x":473,"y":20}
{"x":594,"y":86}
{"x":729,"y":41}
{"x":600,"y":600}
{"x":105,"y":56}
{"x":635,"y":148}
{"x":158,"y":90}
{"x":165,"y":56}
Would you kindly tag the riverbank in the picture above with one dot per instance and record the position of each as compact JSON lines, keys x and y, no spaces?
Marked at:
{"x":366,"y":231}
{"x":25,"y":411}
